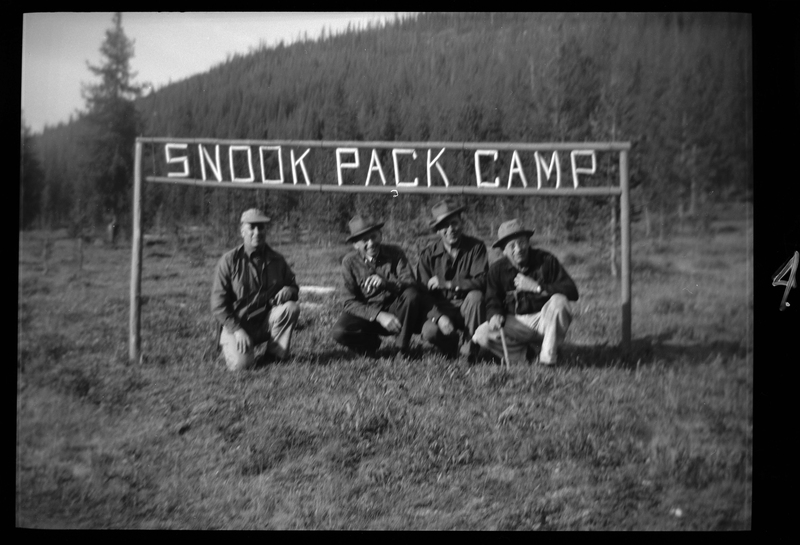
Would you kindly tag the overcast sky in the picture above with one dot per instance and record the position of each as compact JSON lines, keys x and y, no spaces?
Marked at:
{"x":167,"y":47}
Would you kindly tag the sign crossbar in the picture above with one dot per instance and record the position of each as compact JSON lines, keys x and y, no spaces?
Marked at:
{"x":451,"y":190}
{"x":466,"y":146}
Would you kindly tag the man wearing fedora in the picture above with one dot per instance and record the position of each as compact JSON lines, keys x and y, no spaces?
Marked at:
{"x":382,"y":298}
{"x":526,"y":296}
{"x":453,"y":269}
{"x":254,"y":297}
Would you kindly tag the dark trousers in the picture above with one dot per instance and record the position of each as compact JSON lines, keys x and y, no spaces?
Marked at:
{"x":466,"y":314}
{"x":363,"y":336}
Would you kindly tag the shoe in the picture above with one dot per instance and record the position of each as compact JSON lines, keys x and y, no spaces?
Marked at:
{"x":470,"y":351}
{"x":264,"y":359}
{"x":409,"y":353}
{"x":549,"y":363}
{"x":450,"y":354}
{"x":369,"y":353}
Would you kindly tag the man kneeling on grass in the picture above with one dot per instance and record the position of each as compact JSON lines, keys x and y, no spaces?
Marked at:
{"x":526,"y":297}
{"x":381,"y":293}
{"x":254,"y":297}
{"x":454,"y":270}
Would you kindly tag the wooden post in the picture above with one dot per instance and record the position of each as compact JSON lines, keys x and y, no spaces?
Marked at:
{"x":625,"y":221}
{"x":134,"y":339}
{"x":613,"y":255}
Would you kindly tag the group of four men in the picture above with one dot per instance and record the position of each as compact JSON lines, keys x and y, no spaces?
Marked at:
{"x":455,"y":298}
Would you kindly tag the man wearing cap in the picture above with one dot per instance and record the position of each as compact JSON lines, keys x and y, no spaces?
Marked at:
{"x":381,"y":295}
{"x":254,"y":297}
{"x":454,"y":270}
{"x":526,"y":296}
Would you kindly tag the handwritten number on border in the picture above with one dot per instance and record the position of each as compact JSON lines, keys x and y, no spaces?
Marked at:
{"x":792,"y":282}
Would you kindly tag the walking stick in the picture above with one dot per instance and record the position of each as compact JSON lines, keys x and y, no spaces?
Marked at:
{"x":505,"y":348}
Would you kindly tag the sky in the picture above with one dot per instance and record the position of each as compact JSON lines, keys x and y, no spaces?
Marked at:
{"x":168,"y":47}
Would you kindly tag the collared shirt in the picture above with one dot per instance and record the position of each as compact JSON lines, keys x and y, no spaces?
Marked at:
{"x":390,"y":264}
{"x":467,"y":271}
{"x":544,"y":267}
{"x":244,"y":284}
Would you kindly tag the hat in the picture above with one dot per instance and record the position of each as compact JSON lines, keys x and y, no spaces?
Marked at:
{"x":359,"y":226}
{"x":254,"y":215}
{"x":441,"y":211}
{"x":508,"y":230}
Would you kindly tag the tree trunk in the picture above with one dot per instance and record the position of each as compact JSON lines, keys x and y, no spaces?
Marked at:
{"x":111,"y":232}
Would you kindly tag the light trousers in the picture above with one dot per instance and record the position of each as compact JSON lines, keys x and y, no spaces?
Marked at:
{"x":548,"y":327}
{"x":276,"y":330}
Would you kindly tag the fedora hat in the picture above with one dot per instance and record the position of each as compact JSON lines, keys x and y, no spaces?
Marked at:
{"x":360,"y":226}
{"x":508,"y":230}
{"x":254,"y":215}
{"x":443,"y":210}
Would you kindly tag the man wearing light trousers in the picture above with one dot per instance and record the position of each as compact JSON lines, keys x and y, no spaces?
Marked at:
{"x":527,"y":298}
{"x":254,"y":297}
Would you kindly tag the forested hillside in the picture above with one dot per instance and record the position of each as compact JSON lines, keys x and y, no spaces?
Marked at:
{"x":677,"y":86}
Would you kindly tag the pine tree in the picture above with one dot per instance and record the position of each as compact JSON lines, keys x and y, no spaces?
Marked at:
{"x":113,"y":125}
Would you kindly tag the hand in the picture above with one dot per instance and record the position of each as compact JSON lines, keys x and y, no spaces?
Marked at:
{"x":389,"y":322}
{"x":243,"y":341}
{"x":526,"y":283}
{"x":497,"y":322}
{"x":284,"y":295}
{"x":433,"y":283}
{"x":372,"y":284}
{"x":445,"y":325}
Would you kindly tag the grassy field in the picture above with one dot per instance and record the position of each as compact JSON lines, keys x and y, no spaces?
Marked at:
{"x":660,"y":438}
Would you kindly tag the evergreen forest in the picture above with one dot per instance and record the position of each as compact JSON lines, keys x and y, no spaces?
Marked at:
{"x":675,"y":85}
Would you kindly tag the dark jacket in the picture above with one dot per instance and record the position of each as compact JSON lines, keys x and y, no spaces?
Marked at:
{"x":391,"y":264}
{"x":240,"y":293}
{"x":502,"y":297}
{"x":467,"y":272}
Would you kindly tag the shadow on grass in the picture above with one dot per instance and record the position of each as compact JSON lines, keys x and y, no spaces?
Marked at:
{"x":644,"y":351}
{"x":341,"y":355}
{"x":322,"y":358}
{"x":648,"y":351}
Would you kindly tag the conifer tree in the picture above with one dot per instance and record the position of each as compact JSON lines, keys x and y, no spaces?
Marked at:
{"x":113,"y":125}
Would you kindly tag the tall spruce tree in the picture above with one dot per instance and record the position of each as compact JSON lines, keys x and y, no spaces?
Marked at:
{"x":113,"y":124}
